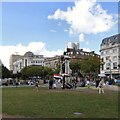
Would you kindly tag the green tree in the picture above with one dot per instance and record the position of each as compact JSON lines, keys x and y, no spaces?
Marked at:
{"x":75,"y":66}
{"x":31,"y":71}
{"x":48,"y":72}
{"x":90,"y":65}
{"x":4,"y":72}
{"x":57,"y":69}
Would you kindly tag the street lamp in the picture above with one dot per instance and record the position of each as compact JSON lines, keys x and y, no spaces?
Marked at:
{"x":119,"y":71}
{"x":110,"y":68}
{"x":43,"y":77}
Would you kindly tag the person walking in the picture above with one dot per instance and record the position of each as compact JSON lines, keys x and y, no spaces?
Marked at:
{"x":50,"y":84}
{"x":37,"y":86}
{"x":97,"y":82}
{"x":101,"y":86}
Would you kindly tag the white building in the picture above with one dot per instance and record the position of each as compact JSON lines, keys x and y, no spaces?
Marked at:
{"x":110,"y":55}
{"x":52,"y":62}
{"x":27,"y":59}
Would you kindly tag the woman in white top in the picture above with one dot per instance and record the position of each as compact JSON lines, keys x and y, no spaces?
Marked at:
{"x":101,"y":86}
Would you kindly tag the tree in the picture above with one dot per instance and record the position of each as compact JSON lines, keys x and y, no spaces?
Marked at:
{"x":90,"y":65}
{"x":75,"y":66}
{"x":31,"y":71}
{"x":4,"y":72}
{"x":57,"y":69}
{"x":48,"y":72}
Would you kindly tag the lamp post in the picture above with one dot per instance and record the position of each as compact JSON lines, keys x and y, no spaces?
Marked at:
{"x":119,"y":71}
{"x":43,"y":74}
{"x":110,"y":70}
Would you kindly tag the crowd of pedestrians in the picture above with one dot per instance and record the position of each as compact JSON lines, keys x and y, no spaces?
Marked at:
{"x":72,"y":83}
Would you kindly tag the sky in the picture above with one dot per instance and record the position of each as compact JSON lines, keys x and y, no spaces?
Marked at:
{"x":45,"y":28}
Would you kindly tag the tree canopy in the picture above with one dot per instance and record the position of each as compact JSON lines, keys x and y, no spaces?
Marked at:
{"x":88,"y":65}
{"x":31,"y":71}
{"x":4,"y":72}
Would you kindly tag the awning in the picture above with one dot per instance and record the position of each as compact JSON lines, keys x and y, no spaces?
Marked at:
{"x":101,"y":75}
{"x":66,"y":75}
{"x":57,"y":76}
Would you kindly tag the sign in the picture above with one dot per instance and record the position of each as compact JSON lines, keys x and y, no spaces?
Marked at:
{"x":115,"y":72}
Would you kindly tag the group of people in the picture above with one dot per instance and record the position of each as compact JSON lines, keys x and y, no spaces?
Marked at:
{"x":99,"y":84}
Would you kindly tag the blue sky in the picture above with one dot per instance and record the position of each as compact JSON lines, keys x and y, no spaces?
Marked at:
{"x":26,"y":22}
{"x":34,"y":26}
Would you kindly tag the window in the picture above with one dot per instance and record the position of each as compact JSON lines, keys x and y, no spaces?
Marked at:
{"x":107,"y":52}
{"x":25,"y":62}
{"x":102,"y":59}
{"x":20,"y":65}
{"x":114,"y":50}
{"x":115,"y":38}
{"x":108,"y":57}
{"x":16,"y":65}
{"x":102,"y":67}
{"x":115,"y":65}
{"x":114,"y":57}
{"x":107,"y":65}
{"x":109,"y":40}
{"x":102,"y":53}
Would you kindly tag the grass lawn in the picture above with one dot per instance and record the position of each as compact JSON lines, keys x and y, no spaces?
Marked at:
{"x":25,"y":102}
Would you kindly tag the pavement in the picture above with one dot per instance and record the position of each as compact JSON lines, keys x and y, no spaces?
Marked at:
{"x":106,"y":87}
{"x":112,"y":87}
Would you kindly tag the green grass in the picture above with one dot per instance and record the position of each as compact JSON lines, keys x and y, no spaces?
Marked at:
{"x":46,"y":103}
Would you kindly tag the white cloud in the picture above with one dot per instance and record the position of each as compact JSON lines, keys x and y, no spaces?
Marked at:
{"x":38,"y":48}
{"x":81,"y":37}
{"x":86,"y":16}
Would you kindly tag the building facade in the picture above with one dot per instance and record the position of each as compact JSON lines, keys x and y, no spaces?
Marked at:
{"x":74,"y":52}
{"x":28,"y":59}
{"x":110,"y":56}
{"x":18,"y":62}
{"x":14,"y":58}
{"x":52,"y":62}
